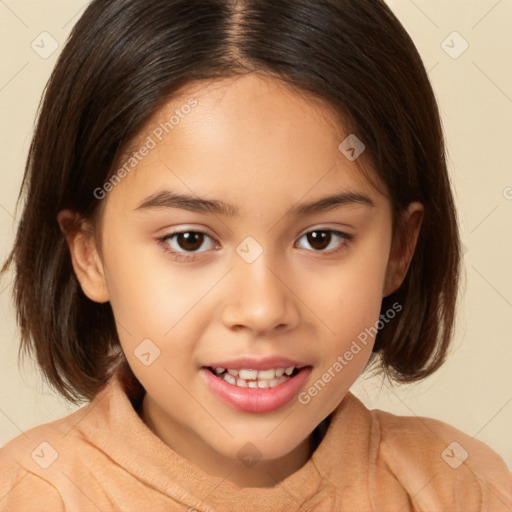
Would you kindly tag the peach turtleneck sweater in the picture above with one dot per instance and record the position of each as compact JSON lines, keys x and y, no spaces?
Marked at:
{"x":104,"y":458}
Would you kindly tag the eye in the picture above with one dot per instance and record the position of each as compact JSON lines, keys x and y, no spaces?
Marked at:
{"x":185,"y":242}
{"x":326,"y":240}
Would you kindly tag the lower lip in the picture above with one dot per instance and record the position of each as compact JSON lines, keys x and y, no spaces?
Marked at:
{"x":257,"y":400}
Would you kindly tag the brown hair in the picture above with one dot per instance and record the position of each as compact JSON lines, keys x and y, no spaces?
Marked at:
{"x":125,"y":58}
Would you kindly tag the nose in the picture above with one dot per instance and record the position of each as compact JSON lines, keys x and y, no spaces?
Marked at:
{"x":260,"y":299}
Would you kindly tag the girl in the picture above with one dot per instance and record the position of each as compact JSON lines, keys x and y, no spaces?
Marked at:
{"x":234,"y":208}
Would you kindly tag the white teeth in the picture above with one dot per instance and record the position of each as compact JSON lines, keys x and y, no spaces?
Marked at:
{"x":248,"y":378}
{"x":229,"y":378}
{"x":262,"y":384}
{"x":275,"y":382}
{"x":266,"y":374}
{"x":248,"y":374}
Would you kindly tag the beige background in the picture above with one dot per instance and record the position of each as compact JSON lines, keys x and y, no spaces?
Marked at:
{"x":473,"y":391}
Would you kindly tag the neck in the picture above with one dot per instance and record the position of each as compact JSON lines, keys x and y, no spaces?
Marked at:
{"x":242,"y":473}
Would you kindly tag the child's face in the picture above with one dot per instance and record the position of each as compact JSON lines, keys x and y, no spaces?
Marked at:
{"x":256,"y":286}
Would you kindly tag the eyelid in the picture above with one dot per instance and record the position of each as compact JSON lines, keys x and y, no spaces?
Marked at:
{"x":185,"y":228}
{"x":197,"y":231}
{"x":323,"y":227}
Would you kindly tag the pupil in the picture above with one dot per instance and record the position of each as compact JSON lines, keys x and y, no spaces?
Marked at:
{"x":190,"y":241}
{"x":319,"y":239}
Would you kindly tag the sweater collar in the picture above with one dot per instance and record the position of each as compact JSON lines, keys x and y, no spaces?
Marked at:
{"x":135,"y":447}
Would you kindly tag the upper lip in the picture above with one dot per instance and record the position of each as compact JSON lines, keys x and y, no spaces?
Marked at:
{"x":256,"y":363}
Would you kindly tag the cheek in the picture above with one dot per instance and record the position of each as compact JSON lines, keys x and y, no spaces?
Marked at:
{"x":350,"y":293}
{"x":348,"y":300}
{"x":142,"y":296}
{"x":156,"y":300}
{"x":367,"y":273}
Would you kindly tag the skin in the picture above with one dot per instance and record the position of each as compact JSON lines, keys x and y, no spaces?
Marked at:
{"x":257,"y":144}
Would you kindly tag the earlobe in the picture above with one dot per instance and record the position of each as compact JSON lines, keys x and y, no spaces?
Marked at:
{"x":403,"y":247}
{"x":85,"y":257}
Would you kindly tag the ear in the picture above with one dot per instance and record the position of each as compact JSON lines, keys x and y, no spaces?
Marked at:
{"x":403,"y":246}
{"x":85,"y":256}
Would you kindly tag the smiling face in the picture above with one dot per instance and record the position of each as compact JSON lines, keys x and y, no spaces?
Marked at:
{"x":266,"y":274}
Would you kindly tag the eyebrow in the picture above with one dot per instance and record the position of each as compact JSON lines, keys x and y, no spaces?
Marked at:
{"x":169,"y":199}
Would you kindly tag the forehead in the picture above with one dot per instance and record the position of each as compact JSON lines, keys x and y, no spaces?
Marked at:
{"x":237,"y":137}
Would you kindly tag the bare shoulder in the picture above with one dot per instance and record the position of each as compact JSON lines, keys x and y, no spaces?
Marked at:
{"x":436,"y":461}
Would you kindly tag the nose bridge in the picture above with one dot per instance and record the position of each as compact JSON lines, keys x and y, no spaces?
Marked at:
{"x":259,"y":299}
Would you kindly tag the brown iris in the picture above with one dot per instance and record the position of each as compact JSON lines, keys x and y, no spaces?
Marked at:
{"x":190,"y":241}
{"x":319,"y":239}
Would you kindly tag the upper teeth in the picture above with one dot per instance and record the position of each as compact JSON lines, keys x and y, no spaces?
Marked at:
{"x":248,"y":374}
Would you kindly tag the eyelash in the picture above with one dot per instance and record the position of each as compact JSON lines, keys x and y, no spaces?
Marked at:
{"x":346,"y":239}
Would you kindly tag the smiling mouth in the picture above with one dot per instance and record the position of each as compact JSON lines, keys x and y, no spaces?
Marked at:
{"x":253,"y":390}
{"x":256,"y":379}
